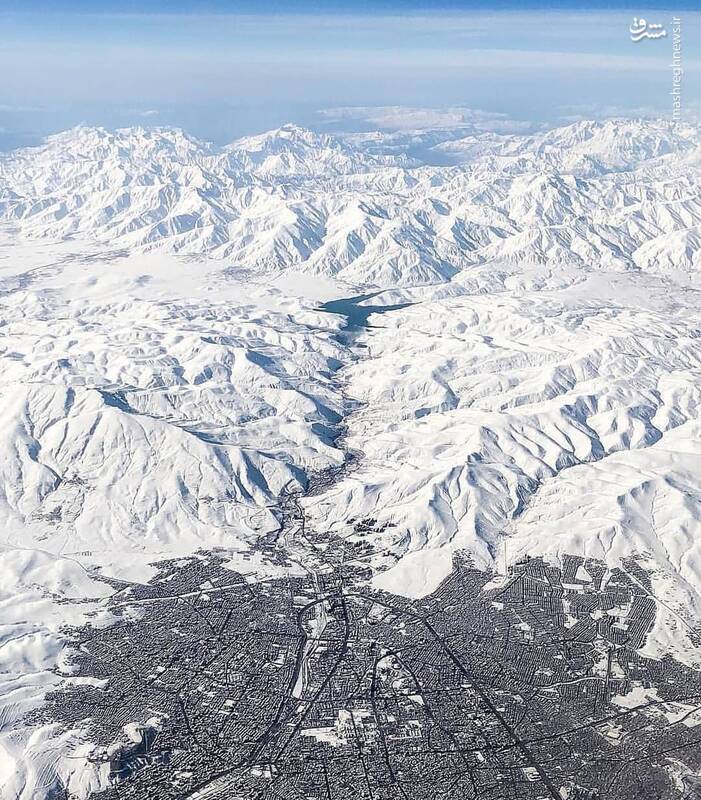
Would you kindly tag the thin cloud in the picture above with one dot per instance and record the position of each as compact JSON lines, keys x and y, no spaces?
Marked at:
{"x":416,"y":118}
{"x":9,"y":108}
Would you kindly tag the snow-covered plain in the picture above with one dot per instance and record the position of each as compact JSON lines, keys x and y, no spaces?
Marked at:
{"x":165,"y":370}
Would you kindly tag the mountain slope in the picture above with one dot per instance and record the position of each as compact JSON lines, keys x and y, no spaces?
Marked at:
{"x":530,"y":381}
{"x":588,"y":194}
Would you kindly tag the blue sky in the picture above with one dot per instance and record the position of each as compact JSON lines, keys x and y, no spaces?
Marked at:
{"x":223,"y":69}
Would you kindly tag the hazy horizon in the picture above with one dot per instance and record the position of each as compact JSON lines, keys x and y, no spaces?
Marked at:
{"x":222,"y":71}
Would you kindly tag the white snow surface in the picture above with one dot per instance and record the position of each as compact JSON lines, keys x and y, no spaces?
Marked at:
{"x":165,"y":370}
{"x":618,"y":194}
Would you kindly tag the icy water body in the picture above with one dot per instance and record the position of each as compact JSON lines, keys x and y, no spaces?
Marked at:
{"x":356,"y":315}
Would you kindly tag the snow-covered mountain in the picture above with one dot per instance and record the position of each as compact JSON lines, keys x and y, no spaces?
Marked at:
{"x":590,"y":193}
{"x":167,"y":372}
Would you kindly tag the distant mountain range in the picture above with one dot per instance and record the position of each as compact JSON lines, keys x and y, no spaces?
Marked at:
{"x":616,"y":194}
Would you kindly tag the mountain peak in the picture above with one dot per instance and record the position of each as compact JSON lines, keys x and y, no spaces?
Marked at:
{"x":294,"y":197}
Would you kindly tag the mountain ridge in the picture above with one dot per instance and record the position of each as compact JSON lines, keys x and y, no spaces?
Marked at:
{"x":291,"y":198}
{"x":173,"y":377}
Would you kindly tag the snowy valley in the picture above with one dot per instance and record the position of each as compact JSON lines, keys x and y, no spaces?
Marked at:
{"x":168,"y":374}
